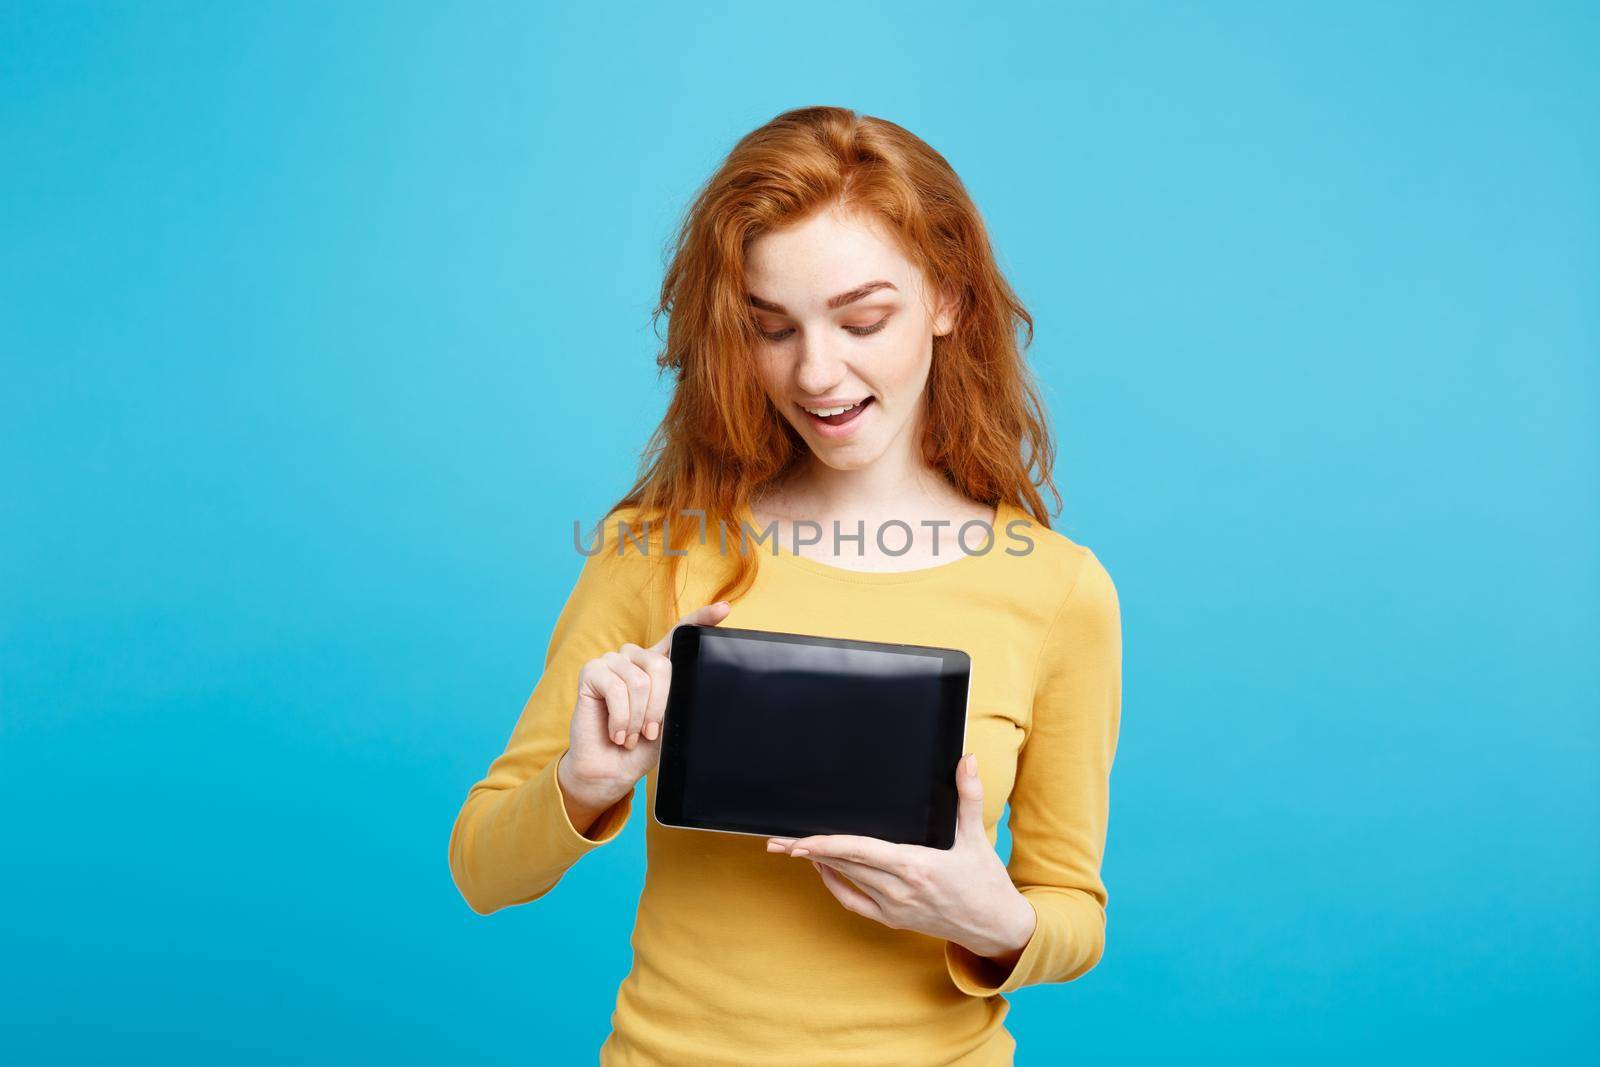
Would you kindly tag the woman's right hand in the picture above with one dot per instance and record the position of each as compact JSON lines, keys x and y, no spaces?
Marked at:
{"x":616,"y":724}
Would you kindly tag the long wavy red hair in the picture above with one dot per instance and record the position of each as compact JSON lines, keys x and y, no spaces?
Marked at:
{"x":721,"y":441}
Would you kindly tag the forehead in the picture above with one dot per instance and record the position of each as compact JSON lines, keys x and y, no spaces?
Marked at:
{"x":802,"y":265}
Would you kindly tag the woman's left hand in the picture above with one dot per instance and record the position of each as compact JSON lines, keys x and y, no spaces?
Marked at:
{"x":961,"y":894}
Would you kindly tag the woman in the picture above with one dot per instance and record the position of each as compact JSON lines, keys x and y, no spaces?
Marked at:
{"x":846,"y":353}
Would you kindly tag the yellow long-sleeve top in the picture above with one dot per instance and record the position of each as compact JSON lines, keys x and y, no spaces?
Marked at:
{"x":741,"y":956}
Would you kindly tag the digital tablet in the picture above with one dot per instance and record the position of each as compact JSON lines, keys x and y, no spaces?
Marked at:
{"x":789,"y":735}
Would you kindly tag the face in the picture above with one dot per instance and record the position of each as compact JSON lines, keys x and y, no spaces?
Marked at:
{"x":846,"y":335}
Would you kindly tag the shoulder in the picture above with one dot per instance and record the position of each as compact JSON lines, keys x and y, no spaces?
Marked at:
{"x":1080,"y":637}
{"x":627,"y":530}
{"x":1067,"y":573}
{"x":620,"y":553}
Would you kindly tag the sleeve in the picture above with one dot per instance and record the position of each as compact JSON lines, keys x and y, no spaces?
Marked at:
{"x":513,"y":840}
{"x":1061,"y":797}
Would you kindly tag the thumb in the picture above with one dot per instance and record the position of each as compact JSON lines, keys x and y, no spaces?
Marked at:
{"x":969,"y":816}
{"x":709,"y":615}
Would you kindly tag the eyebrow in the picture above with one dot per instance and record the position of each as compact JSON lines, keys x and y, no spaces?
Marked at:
{"x":839,"y":301}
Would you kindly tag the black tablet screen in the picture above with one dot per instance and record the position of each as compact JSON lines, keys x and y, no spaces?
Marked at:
{"x":791,"y":738}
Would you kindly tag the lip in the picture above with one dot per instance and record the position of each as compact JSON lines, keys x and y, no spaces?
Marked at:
{"x":831,"y":432}
{"x":834,"y":402}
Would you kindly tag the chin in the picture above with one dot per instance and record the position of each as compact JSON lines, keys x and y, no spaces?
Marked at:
{"x":847,"y":457}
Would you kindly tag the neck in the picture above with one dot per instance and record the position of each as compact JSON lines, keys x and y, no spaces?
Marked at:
{"x":899,"y":484}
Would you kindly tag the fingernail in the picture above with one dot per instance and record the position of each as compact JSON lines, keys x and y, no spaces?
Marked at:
{"x":651,"y":729}
{"x":801,"y":852}
{"x":972,"y":764}
{"x":620,"y":736}
{"x":633,"y":739}
{"x":773,"y":846}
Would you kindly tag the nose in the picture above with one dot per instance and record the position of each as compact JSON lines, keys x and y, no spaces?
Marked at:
{"x":820,"y":367}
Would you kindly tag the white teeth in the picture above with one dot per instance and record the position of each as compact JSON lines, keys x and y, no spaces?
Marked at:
{"x":825,"y":412}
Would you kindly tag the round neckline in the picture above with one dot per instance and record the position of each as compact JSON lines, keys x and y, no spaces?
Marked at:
{"x":860,"y":577}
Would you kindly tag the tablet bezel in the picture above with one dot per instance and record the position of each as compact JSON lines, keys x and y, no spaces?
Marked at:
{"x":955,"y":675}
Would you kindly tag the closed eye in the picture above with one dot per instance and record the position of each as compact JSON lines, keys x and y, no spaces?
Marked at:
{"x":862,"y":331}
{"x":859,"y":331}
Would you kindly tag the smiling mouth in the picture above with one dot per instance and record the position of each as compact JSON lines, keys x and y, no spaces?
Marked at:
{"x":839,"y":418}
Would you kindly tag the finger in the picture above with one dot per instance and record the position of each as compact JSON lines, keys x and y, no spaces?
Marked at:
{"x":709,"y":615}
{"x":848,"y":895}
{"x":601,"y":689}
{"x":879,"y":883}
{"x":638,"y":683}
{"x":969,"y":815}
{"x":615,"y":691}
{"x":871,"y":851}
{"x":659,"y":668}
{"x":883,"y":881}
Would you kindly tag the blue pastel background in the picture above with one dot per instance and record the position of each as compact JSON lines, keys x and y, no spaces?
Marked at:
{"x":321,"y":322}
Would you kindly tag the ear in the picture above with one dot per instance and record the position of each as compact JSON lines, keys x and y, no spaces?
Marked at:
{"x":944,"y":315}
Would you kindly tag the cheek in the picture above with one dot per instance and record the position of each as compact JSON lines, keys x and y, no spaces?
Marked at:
{"x":773,"y":371}
{"x":905,"y":371}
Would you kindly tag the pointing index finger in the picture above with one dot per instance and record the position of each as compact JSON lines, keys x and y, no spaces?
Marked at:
{"x":710,"y":615}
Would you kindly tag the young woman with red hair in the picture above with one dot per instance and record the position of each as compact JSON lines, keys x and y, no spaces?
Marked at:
{"x":846,"y":360}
